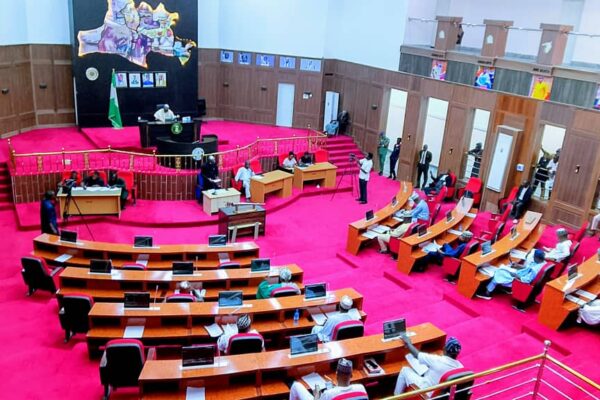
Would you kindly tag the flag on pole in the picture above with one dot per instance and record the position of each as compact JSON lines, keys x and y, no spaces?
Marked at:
{"x":114,"y":115}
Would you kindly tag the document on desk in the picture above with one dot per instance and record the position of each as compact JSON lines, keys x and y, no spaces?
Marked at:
{"x":416,"y":365}
{"x":488,"y":270}
{"x":224,"y":257}
{"x":575,"y":300}
{"x":431,"y":247}
{"x":370,"y":234}
{"x":379,"y":228}
{"x":454,"y":232}
{"x":195,"y":393}
{"x":63,"y":257}
{"x":586,"y":294}
{"x":214,"y":330}
{"x":520,"y":254}
{"x":143,"y":259}
{"x":319,"y":318}
{"x":257,"y":177}
{"x":133,"y":332}
{"x":313,"y":380}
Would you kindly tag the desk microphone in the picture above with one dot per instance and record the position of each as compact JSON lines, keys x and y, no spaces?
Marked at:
{"x":155,"y":295}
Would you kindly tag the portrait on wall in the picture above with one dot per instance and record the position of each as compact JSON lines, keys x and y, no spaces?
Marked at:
{"x":265,"y":60}
{"x":307,"y":64}
{"x":148,"y":79}
{"x":244,"y":58}
{"x":226,"y":56}
{"x":438,"y":70}
{"x":121,"y":79}
{"x":541,"y":87}
{"x":484,"y":77}
{"x":160,"y":79}
{"x":287,"y":62}
{"x":135,"y":80}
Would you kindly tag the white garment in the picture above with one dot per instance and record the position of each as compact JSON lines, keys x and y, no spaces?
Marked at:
{"x":561,"y":251}
{"x":365,"y":169}
{"x":228,"y":331}
{"x":326,"y":331}
{"x":437,"y":367}
{"x":244,"y":174}
{"x":299,"y":392}
{"x":590,"y":313}
{"x":289,"y":164}
{"x":162,"y":116}
{"x":552,"y":167}
{"x":522,"y":193}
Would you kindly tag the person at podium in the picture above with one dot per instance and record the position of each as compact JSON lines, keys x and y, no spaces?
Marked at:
{"x":243,"y":175}
{"x":94,"y":180}
{"x":210,"y":174}
{"x":164,"y":114}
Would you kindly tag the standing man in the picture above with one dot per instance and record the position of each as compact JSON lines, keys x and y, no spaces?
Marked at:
{"x":48,"y":213}
{"x":244,"y":174}
{"x":365,"y":165}
{"x":394,"y":158}
{"x":423,"y":166}
{"x":210,"y":174}
{"x":477,"y":153}
{"x":382,"y":150}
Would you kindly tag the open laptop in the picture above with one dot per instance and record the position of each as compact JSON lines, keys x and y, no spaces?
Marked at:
{"x":260,"y":265}
{"x":142,"y":241}
{"x":394,"y":201}
{"x":183,"y":268}
{"x":486,"y":248}
{"x":217,"y":240}
{"x":369,"y":215}
{"x":422,"y":231}
{"x":100,"y":266}
{"x":68,"y":236}
{"x":572,"y":272}
{"x":304,"y":344}
{"x":316,"y":291}
{"x":198,"y":355}
{"x":513,"y":232}
{"x":137,"y":300}
{"x":449,"y":216}
{"x":393,"y":329}
{"x":231,"y":298}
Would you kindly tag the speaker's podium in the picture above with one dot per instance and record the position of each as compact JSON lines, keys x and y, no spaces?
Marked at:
{"x":178,"y":131}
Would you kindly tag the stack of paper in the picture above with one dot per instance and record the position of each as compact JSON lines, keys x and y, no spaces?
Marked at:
{"x":431,"y":247}
{"x":313,"y":380}
{"x":195,"y":393}
{"x":319,"y":318}
{"x":520,"y":254}
{"x":133,"y":332}
{"x":488,"y":270}
{"x":63,"y":257}
{"x":214,"y":330}
{"x":586,"y":294}
{"x":379,"y":228}
{"x":224,"y":257}
{"x":454,"y":232}
{"x":575,"y":300}
{"x":370,"y":235}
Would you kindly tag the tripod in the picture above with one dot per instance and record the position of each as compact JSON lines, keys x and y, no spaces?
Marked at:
{"x":66,"y":214}
{"x":352,"y":176}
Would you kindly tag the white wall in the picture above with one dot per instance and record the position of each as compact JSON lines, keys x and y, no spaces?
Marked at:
{"x":13,"y":28}
{"x":34,"y":21}
{"x":208,"y":24}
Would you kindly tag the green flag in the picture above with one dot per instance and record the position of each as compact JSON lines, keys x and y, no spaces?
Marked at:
{"x":114,"y":115}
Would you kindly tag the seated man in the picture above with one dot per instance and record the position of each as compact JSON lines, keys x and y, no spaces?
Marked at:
{"x":242,"y":326}
{"x":115,"y":181}
{"x":439,"y":182}
{"x":186,"y":288}
{"x":71,"y":180}
{"x":265,"y":289}
{"x":93,"y":180}
{"x":437,"y":366}
{"x":343,"y":376}
{"x":290,"y":162}
{"x":210,"y":174}
{"x":331,"y":128}
{"x":505,"y":275}
{"x":307,"y":158}
{"x":324,"y":332}
{"x":420,"y":213}
{"x":244,"y":174}
{"x":589,"y":313}
{"x":562,"y":249}
{"x":522,"y":200}
{"x":164,"y":114}
{"x":448,"y":250}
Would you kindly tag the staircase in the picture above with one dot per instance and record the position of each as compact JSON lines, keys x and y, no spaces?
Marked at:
{"x":339,"y":148}
{"x":5,"y":188}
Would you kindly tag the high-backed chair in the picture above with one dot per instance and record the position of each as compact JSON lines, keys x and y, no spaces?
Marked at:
{"x":73,"y":315}
{"x":502,"y":203}
{"x":492,"y":235}
{"x":561,"y":265}
{"x":437,"y":198}
{"x":321,"y":156}
{"x":121,"y":364}
{"x":134,"y":267}
{"x":434,"y":213}
{"x":67,"y":175}
{"x":348,"y":330}
{"x":285,"y":291}
{"x":244,"y":343}
{"x":451,"y":265}
{"x":254,"y":166}
{"x":463,"y":390}
{"x":37,"y":275}
{"x":101,"y":174}
{"x":452,"y":187}
{"x":474,"y":186}
{"x":577,"y":235}
{"x":525,"y":293}
{"x":180,"y":298}
{"x":127,"y":176}
{"x":395,"y":242}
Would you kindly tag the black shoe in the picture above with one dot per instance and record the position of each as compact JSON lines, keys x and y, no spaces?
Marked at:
{"x":380,"y":173}
{"x":383,"y":251}
{"x":484,"y":296}
{"x":362,"y":202}
{"x":358,"y":199}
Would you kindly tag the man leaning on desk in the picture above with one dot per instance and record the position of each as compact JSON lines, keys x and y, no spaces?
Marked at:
{"x":419,"y":213}
{"x":164,"y":114}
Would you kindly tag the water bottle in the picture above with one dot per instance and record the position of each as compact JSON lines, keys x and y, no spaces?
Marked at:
{"x":296,"y":316}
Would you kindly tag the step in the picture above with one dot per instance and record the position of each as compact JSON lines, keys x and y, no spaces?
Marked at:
{"x":340,"y":138}
{"x":340,"y":146}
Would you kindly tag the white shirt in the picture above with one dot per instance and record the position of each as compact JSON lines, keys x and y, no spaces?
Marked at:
{"x":365,"y":169}
{"x":423,"y":157}
{"x":438,"y":366}
{"x":330,"y":394}
{"x":287,"y":163}
{"x":162,"y":115}
{"x":244,"y":174}
{"x":326,"y":331}
{"x":229,"y":330}
{"x":590,"y":313}
{"x":561,"y":251}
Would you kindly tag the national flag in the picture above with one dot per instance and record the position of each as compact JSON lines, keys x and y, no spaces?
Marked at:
{"x":114,"y":115}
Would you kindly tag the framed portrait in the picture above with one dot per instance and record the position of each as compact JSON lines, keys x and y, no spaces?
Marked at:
{"x":287,"y":62}
{"x":244,"y":58}
{"x":160,"y":79}
{"x":226,"y":56}
{"x":484,"y":77}
{"x":135,"y":80}
{"x":265,"y":60}
{"x":438,"y":70}
{"x":541,"y":87}
{"x":121,"y":79}
{"x":308,"y":64}
{"x":148,"y":79}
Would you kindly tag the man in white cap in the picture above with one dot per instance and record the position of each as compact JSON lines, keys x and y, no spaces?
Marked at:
{"x":164,"y":114}
{"x":243,"y":175}
{"x":419,"y":213}
{"x":563,"y":247}
{"x":343,"y":389}
{"x":265,"y":288}
{"x":242,"y":326}
{"x":186,"y":287}
{"x":326,"y":331}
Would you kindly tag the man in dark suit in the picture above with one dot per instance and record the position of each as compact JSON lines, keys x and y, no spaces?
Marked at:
{"x":423,"y":166}
{"x":521,"y":201}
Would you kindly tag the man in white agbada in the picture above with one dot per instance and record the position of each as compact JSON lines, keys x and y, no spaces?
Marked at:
{"x":242,"y":326}
{"x":419,"y":212}
{"x":164,"y":114}
{"x":562,"y":249}
{"x":244,"y":174}
{"x":590,"y":313}
{"x":325,"y":332}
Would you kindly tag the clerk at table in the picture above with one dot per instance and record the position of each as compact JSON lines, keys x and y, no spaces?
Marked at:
{"x":94,"y":180}
{"x":210,"y":174}
{"x":164,"y":114}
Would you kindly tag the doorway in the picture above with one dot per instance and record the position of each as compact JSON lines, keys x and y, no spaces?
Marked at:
{"x":435,"y":125}
{"x":395,"y":120}
{"x":285,"y":104}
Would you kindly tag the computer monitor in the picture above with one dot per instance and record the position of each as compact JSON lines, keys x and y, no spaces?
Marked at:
{"x":422,"y":230}
{"x":260,"y":265}
{"x":100,"y":266}
{"x":137,"y":300}
{"x":217,"y":240}
{"x":230,"y":298}
{"x":486,"y":248}
{"x":369,"y":215}
{"x":183,"y":268}
{"x":302,"y":344}
{"x":193,"y":356}
{"x":142,"y":241}
{"x":449,"y":216}
{"x":68,"y":236}
{"x":315,"y":291}
{"x":572,"y":272}
{"x":394,"y":201}
{"x":393,"y":329}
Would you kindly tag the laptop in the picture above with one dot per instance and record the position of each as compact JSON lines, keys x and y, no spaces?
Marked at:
{"x":183,"y":268}
{"x":137,"y":300}
{"x":572,"y":272}
{"x":394,"y":201}
{"x":142,"y":241}
{"x":260,"y":265}
{"x":100,"y":266}
{"x":422,"y":231}
{"x":230,"y":298}
{"x":194,"y":356}
{"x":315,"y":291}
{"x":369,"y":215}
{"x":393,"y":329}
{"x":449,"y":216}
{"x":217,"y":240}
{"x":304,"y":344}
{"x":486,"y":248}
{"x":68,"y":236}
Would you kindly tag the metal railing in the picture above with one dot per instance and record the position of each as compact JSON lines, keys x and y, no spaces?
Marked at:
{"x":537,"y":377}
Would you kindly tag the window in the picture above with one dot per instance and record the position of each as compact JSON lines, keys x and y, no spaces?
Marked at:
{"x":547,"y":161}
{"x":481,"y":120}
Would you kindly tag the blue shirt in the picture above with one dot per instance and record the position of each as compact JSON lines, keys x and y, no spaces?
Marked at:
{"x":456,"y":252}
{"x":420,"y":212}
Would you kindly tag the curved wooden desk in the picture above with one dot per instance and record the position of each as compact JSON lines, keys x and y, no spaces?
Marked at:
{"x":263,"y":375}
{"x":529,"y":231}
{"x":161,"y":257}
{"x":383,"y":216}
{"x":555,"y":308}
{"x":409,"y":250}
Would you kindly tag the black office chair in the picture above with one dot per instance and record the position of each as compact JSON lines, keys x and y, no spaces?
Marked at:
{"x":73,"y":315}
{"x":37,"y":275}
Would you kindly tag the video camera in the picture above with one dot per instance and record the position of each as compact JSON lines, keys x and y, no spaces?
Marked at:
{"x":68,"y":185}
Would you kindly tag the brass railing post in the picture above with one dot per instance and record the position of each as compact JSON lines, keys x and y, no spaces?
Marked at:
{"x":540,"y":373}
{"x":131,"y":162}
{"x":63,"y":158}
{"x":154,"y":158}
{"x":109,"y":157}
{"x":86,"y":160}
{"x":40,"y":163}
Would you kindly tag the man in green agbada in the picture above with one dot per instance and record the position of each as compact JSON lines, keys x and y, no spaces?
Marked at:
{"x":382,"y":150}
{"x":265,"y":289}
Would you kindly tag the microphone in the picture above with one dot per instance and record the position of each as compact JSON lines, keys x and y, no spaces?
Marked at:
{"x":155,"y":294}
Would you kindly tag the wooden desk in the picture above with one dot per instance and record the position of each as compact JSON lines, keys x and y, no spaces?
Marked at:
{"x":274,"y":181}
{"x":409,"y":250}
{"x":243,"y":218}
{"x":91,"y":201}
{"x":323,"y":172}
{"x":262,"y":375}
{"x":183,"y":323}
{"x":529,"y":231}
{"x":213,"y":200}
{"x":383,"y":216}
{"x":107,"y":288}
{"x":555,"y":309}
{"x":161,"y":257}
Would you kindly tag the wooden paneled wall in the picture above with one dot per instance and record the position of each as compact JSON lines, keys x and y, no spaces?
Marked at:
{"x":36,"y":87}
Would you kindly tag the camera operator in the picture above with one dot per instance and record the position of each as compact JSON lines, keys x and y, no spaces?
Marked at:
{"x":365,"y":165}
{"x":48,"y":213}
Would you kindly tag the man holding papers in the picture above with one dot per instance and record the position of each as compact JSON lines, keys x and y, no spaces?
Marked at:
{"x":326,"y":331}
{"x":436,"y":366}
{"x":447,"y":250}
{"x":420,"y":213}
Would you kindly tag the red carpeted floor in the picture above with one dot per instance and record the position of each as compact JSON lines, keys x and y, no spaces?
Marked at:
{"x":310,"y":231}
